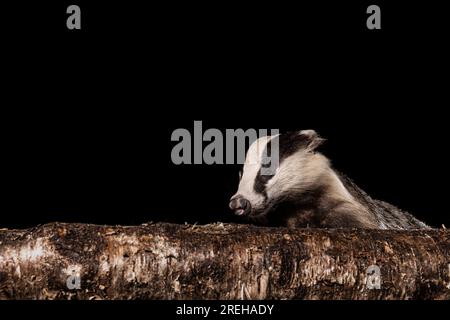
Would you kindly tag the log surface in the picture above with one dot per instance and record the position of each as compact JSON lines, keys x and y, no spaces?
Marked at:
{"x":221,"y":261}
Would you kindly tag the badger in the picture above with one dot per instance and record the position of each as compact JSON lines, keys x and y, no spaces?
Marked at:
{"x":304,"y":190}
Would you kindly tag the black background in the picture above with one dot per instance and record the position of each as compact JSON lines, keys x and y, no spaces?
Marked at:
{"x":88,"y":114}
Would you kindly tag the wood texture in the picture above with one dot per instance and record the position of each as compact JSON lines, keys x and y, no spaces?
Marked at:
{"x":221,"y":261}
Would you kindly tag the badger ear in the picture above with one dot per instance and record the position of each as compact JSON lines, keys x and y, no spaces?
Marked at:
{"x":311,"y":139}
{"x":294,"y":141}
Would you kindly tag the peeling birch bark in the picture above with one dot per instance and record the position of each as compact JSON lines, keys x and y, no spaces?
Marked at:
{"x":222,"y":261}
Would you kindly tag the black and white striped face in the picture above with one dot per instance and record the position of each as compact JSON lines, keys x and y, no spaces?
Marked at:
{"x":260,"y":190}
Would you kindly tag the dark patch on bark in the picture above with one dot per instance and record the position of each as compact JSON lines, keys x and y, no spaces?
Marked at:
{"x":208,"y":271}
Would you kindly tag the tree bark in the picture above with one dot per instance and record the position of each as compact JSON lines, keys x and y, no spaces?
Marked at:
{"x":222,"y":261}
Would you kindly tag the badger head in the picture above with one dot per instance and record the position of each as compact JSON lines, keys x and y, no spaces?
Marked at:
{"x":297,"y":170}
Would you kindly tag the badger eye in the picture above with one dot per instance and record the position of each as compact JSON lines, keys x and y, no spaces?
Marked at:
{"x":266,"y":177}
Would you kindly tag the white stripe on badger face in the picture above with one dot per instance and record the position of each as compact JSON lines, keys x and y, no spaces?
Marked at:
{"x":250,"y":171}
{"x":296,"y":174}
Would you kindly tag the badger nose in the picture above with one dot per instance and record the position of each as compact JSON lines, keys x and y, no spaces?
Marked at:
{"x":240,"y":206}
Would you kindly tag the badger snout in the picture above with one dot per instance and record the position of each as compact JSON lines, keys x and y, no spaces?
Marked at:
{"x":240,"y":205}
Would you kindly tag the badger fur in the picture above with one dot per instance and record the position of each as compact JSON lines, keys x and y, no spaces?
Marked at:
{"x":305,"y":191}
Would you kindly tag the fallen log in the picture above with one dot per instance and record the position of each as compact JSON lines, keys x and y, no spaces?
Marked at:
{"x":222,"y":261}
